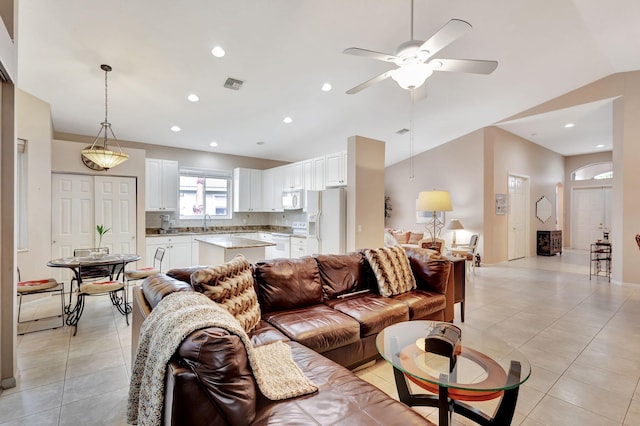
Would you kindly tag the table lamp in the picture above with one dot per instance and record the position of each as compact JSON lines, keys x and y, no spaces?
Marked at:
{"x":434,"y":201}
{"x":454,"y":224}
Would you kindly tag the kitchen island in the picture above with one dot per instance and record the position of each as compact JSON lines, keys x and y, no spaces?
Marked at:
{"x":217,"y":250}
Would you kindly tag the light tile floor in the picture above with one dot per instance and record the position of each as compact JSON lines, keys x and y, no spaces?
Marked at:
{"x":581,"y":337}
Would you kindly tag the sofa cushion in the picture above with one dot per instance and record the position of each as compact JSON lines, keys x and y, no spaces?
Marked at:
{"x":265,"y":333}
{"x":318,"y":327}
{"x":288,"y":283}
{"x":343,"y":273}
{"x":391,"y":268}
{"x":422,"y":304}
{"x":183,"y":274}
{"x":156,"y":287}
{"x":220,"y":362}
{"x":372,"y":311}
{"x":430,"y":271}
{"x":342,"y":399}
{"x":231,"y":285}
{"x":401,"y":237}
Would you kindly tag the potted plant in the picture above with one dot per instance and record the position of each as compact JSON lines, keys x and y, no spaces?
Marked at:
{"x":101,"y":231}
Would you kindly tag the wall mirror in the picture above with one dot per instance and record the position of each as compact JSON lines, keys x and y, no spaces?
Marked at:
{"x":543,"y":209}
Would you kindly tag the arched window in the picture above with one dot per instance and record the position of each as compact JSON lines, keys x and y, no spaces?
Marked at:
{"x":594,"y":171}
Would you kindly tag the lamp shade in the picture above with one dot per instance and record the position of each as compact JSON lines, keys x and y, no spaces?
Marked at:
{"x":455,"y":224}
{"x":412,"y":76}
{"x":437,"y":201}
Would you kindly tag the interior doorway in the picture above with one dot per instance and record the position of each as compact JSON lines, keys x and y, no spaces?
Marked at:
{"x":79,"y":203}
{"x":518,"y":219}
{"x":590,"y":215}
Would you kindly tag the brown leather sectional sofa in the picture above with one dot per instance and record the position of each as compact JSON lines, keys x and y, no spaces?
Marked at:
{"x":327,"y":308}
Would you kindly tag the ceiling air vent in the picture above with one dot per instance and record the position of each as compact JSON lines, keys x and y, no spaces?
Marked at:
{"x":402,"y":131}
{"x":233,"y":83}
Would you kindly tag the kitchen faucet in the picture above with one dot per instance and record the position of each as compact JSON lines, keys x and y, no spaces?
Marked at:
{"x":207,"y":216}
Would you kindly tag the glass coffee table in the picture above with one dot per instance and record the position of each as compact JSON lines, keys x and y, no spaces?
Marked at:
{"x":485,"y":368}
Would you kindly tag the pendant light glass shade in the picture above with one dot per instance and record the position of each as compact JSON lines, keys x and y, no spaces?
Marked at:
{"x":100,"y":154}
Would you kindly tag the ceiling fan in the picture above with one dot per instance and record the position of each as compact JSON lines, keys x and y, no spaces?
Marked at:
{"x":414,"y":58}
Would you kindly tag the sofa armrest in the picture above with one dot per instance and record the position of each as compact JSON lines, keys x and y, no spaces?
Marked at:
{"x":141,"y":309}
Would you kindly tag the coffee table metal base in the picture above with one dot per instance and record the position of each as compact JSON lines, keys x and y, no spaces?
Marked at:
{"x":446,"y":405}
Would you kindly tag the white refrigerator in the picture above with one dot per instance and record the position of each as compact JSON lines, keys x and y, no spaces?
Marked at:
{"x":327,"y":221}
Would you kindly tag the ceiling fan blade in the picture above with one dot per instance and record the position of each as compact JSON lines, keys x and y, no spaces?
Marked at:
{"x":450,"y":32}
{"x":371,"y":82}
{"x":464,"y":65}
{"x":380,"y":56}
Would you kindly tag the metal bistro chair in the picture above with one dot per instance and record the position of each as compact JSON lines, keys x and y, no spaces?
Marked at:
{"x":142,"y":273}
{"x":97,"y":282}
{"x":43,"y":286}
{"x":90,"y":272}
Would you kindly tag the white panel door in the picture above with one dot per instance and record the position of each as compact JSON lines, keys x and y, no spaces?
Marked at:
{"x":591,"y":213}
{"x":115,"y":208}
{"x":72,"y":218}
{"x":517,"y":218}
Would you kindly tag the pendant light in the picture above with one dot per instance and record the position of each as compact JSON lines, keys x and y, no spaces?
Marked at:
{"x":98,"y":153}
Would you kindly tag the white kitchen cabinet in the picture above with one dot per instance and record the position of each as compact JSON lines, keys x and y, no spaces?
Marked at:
{"x":161,"y":185}
{"x":293,"y":178}
{"x":177,"y":252}
{"x":272,"y":189}
{"x":318,"y":174}
{"x":335,"y":167}
{"x":247,"y":190}
{"x":298,"y":247}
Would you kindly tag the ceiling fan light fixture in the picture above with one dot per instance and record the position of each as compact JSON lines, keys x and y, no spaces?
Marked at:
{"x":101,"y":155}
{"x":412,"y":76}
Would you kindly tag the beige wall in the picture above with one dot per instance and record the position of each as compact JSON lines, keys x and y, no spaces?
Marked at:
{"x":455,"y":166}
{"x":37,"y":131}
{"x":571,"y":164}
{"x":511,"y":154}
{"x":365,"y":193}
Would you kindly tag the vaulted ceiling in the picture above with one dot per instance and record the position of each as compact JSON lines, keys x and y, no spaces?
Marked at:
{"x":284,"y":50}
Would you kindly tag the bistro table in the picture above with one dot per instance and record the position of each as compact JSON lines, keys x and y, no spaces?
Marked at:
{"x":485,"y":368}
{"x":107,"y":260}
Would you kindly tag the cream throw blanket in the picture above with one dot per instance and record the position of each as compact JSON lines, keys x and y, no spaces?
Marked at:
{"x":170,"y":322}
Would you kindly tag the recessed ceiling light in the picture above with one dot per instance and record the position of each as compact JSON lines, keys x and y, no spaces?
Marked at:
{"x":193,"y":97}
{"x":326,"y":87}
{"x":218,"y":52}
{"x":569,"y":125}
{"x":213,"y":144}
{"x":600,"y":146}
{"x":175,"y":128}
{"x":288,"y":120}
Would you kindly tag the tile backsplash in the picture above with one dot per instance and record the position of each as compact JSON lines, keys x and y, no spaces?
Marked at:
{"x":239,"y":219}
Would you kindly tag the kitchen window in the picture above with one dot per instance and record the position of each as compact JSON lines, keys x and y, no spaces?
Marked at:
{"x":204,"y":192}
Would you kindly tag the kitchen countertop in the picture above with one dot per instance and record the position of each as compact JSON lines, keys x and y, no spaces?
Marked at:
{"x":233,"y":242}
{"x":154,"y":232}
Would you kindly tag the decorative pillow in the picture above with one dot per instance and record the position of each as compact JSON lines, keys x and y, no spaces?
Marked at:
{"x":415,"y":237}
{"x":392,"y":270}
{"x":401,"y":237}
{"x":231,"y":285}
{"x":389,"y":239}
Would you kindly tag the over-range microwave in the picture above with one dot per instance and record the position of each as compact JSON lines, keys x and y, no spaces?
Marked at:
{"x":292,"y":199}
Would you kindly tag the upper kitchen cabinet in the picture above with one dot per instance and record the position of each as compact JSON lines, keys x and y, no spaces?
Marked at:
{"x":161,"y":185}
{"x":247,"y":190}
{"x":293,"y":178}
{"x":272,"y":183}
{"x":335,"y":169}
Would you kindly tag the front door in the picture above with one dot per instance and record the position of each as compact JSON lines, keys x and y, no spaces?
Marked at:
{"x":590,"y":215}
